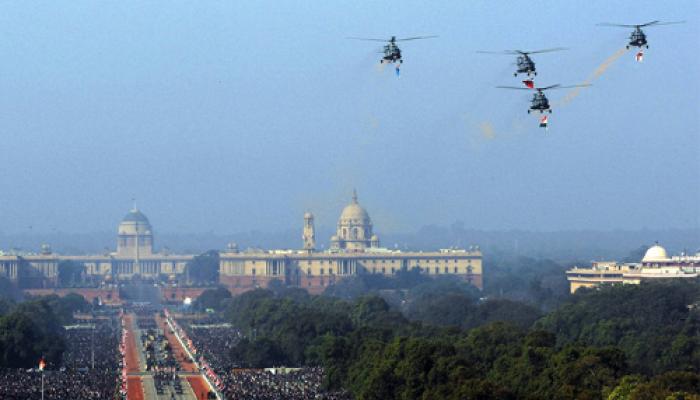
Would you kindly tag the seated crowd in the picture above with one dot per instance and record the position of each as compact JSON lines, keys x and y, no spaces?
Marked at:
{"x":75,"y":378}
{"x":214,"y":343}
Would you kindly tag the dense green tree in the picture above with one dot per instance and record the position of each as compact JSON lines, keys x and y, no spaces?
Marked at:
{"x":9,"y":290}
{"x":457,"y":346}
{"x":651,"y":322}
{"x":204,"y":268}
{"x":70,"y":273}
{"x":212,"y":299}
{"x":34,"y":329}
{"x":535,"y":281}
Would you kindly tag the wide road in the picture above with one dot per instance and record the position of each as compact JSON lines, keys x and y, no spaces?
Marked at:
{"x":140,"y":383}
{"x":195,"y":380}
{"x":134,"y":384}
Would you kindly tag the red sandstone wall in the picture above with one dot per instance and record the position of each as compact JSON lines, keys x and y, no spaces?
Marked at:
{"x":242,"y":284}
{"x":312,"y":284}
{"x":108,"y":296}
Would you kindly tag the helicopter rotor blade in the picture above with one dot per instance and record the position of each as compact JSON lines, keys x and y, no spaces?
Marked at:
{"x":521,"y":52}
{"x":369,"y":39}
{"x":416,"y":37}
{"x":658,"y":23}
{"x":649,"y":23}
{"x":557,"y":86}
{"x":512,"y":87}
{"x":616,"y":25}
{"x":546,"y":50}
{"x":504,"y":52}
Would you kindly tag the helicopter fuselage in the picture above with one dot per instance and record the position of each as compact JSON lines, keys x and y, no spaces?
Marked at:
{"x":525,"y":65}
{"x":638,"y":39}
{"x":392,"y":54}
{"x":539,"y":103}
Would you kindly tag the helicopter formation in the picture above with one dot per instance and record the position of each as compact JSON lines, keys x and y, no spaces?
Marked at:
{"x":391,"y":51}
{"x":524,"y":64}
{"x":637,"y":37}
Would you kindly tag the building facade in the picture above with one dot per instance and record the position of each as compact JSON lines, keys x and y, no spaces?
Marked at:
{"x":354,"y":250}
{"x":656,"y":264}
{"x":134,"y":258}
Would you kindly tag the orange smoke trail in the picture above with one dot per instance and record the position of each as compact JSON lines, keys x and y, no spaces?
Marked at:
{"x":487,"y":130}
{"x":573,"y":93}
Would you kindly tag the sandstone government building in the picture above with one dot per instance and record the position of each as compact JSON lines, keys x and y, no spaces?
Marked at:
{"x":354,"y":250}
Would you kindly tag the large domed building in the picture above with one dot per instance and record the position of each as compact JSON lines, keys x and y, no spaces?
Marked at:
{"x":655,"y":254}
{"x":656,"y":264}
{"x":354,"y":231}
{"x":135,"y":235}
{"x":354,"y":251}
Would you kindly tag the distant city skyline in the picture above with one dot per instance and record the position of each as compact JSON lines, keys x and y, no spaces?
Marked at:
{"x":233,"y":117}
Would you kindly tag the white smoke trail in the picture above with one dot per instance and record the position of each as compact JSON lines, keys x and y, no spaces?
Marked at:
{"x":600,"y":70}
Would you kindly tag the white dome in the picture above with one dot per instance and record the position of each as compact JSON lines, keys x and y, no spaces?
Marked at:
{"x":655,"y":253}
{"x":353,"y":213}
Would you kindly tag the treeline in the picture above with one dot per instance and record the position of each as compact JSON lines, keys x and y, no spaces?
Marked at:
{"x":657,"y":325}
{"x":631,"y":342}
{"x":33,"y":329}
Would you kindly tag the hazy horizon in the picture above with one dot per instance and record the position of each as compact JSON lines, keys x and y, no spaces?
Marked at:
{"x":233,"y":117}
{"x":565,"y":246}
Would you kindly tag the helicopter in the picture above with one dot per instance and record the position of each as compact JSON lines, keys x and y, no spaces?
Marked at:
{"x":392,"y":52}
{"x":539,"y":100}
{"x":524,"y":62}
{"x":637,"y":37}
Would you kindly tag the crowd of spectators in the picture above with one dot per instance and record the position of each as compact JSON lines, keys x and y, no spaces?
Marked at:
{"x":75,"y":378}
{"x":83,"y":342}
{"x":301,"y":384}
{"x":213,"y":342}
{"x":19,"y":384}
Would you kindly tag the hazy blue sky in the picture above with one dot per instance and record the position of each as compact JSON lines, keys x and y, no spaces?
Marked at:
{"x":230,"y":116}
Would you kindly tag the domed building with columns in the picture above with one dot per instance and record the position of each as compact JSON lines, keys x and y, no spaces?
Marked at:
{"x":135,"y":235}
{"x":134,"y":258}
{"x":656,"y":264}
{"x":354,"y":229}
{"x":354,"y":250}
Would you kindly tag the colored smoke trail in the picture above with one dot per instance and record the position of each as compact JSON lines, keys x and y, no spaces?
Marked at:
{"x":595,"y":75}
{"x":379,"y":67}
{"x":487,"y":130}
